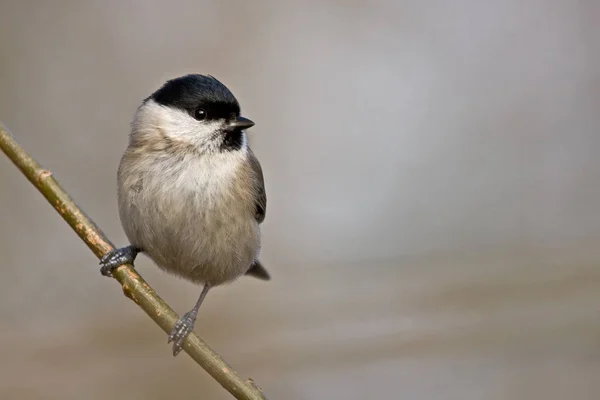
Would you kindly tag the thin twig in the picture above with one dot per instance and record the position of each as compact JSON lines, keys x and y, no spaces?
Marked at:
{"x":134,"y":286}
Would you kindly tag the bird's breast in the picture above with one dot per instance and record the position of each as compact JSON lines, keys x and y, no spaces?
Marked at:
{"x":194,"y":217}
{"x":208,"y":181}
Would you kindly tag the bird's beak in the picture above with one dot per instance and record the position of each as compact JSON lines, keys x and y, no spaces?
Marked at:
{"x":240,"y":123}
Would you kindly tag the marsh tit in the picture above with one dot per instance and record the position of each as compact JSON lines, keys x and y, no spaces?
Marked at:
{"x":191,"y":193}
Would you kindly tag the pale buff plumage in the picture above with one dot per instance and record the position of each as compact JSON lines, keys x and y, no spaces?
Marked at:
{"x":193,"y":214}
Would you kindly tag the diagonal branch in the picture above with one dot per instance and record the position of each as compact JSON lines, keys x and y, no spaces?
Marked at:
{"x":134,"y":286}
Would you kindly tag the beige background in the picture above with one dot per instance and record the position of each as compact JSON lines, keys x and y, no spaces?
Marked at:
{"x":434,"y":187}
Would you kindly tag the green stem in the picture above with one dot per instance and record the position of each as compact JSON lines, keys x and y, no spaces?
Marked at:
{"x":134,"y":286}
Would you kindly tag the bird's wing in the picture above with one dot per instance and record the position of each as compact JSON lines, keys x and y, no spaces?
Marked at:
{"x":260,"y":199}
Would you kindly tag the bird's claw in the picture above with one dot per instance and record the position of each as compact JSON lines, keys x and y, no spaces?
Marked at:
{"x":181,"y":330}
{"x":115,"y":258}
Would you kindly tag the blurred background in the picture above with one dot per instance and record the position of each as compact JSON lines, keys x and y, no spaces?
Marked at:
{"x":433,"y":182}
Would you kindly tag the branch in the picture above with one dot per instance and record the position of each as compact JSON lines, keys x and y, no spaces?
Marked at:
{"x":134,"y":286}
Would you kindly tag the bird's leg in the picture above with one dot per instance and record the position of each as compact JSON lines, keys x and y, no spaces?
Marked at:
{"x":186,"y":323}
{"x":112,"y":259}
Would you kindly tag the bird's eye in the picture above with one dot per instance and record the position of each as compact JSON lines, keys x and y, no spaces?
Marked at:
{"x":200,"y":114}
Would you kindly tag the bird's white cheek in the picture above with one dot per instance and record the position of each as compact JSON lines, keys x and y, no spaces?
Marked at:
{"x":179,"y":125}
{"x":195,"y":132}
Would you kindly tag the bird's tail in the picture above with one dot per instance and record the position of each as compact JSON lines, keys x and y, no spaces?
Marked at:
{"x":258,"y":271}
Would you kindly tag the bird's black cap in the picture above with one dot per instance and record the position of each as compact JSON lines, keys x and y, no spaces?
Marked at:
{"x":194,"y":91}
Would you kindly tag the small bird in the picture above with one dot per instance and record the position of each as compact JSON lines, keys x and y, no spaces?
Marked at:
{"x":191,"y":193}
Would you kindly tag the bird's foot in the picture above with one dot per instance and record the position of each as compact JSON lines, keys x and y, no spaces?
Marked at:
{"x":182,"y":328}
{"x":117,"y":257}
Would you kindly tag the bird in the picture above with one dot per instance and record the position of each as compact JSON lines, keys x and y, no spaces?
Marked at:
{"x":191,"y":192}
